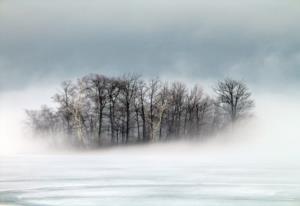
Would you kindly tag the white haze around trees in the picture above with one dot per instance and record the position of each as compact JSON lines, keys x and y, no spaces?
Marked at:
{"x":97,"y":110}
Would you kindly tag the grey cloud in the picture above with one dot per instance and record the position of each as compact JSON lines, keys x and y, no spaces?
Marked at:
{"x":254,"y":40}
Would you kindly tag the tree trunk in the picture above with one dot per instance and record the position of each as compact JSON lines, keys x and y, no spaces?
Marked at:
{"x":138,"y":125}
{"x":112,"y":121}
{"x":100,"y":125}
{"x":127,"y":122}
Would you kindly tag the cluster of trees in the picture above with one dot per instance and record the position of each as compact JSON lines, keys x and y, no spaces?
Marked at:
{"x":98,"y":110}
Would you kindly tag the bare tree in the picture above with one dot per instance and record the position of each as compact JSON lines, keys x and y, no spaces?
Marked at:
{"x":128,"y":89}
{"x":191,"y":114}
{"x":129,"y":109}
{"x":163,"y":102}
{"x":234,"y":98}
{"x":43,"y":121}
{"x":203,"y":115}
{"x":113,"y":93}
{"x":177,"y":95}
{"x":65,"y":101}
{"x":153,"y":101}
{"x":97,"y":89}
{"x":142,"y":90}
{"x":78,"y":111}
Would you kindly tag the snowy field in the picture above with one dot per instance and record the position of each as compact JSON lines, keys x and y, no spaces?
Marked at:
{"x":141,"y":179}
{"x":257,"y":165}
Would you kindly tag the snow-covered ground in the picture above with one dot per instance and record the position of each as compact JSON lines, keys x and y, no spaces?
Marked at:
{"x":139,"y":178}
{"x":258,"y":164}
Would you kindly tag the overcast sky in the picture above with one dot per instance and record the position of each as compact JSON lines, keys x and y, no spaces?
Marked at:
{"x":46,"y":41}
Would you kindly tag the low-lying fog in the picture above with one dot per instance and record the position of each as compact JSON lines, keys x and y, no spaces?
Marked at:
{"x":256,"y":164}
{"x":273,"y":130}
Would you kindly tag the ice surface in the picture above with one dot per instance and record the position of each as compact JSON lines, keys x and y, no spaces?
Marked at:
{"x":142,"y":179}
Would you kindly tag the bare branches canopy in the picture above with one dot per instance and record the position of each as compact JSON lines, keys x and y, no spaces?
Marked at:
{"x":98,"y":110}
{"x":234,"y":98}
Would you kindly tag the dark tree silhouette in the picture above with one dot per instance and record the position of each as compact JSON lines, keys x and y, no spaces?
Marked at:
{"x":234,"y":98}
{"x":98,"y":110}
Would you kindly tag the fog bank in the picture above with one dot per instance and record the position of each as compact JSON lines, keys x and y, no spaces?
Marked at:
{"x":272,"y":133}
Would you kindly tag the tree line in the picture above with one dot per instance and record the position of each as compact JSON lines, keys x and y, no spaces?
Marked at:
{"x":97,"y":110}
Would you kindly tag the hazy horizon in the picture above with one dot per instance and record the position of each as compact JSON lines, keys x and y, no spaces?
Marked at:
{"x":254,"y":161}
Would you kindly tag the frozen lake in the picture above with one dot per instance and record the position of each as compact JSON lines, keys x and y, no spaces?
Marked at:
{"x":135,"y":179}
